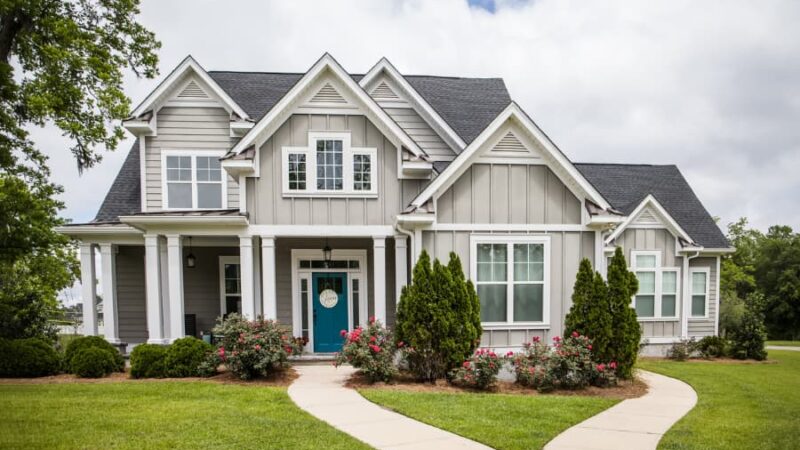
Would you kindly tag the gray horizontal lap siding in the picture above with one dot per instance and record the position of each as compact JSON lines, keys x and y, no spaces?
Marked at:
{"x":130,"y":290}
{"x":266,"y":202}
{"x":419,"y":130}
{"x":705,"y":327}
{"x":201,"y":289}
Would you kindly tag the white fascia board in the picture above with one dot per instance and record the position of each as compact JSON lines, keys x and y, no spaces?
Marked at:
{"x":188,"y":64}
{"x":384,"y":66}
{"x":181,"y":219}
{"x":88,"y":229}
{"x":651,"y":201}
{"x":326,"y":62}
{"x":237,"y":167}
{"x":239,"y":129}
{"x":416,"y":218}
{"x":466,"y":158}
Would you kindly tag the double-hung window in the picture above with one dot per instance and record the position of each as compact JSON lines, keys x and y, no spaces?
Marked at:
{"x":329,"y":166}
{"x":192,"y":180}
{"x":657,"y":297}
{"x":699,"y":279}
{"x":511,"y":277}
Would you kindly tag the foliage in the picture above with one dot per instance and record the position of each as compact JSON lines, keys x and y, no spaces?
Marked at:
{"x":626,"y":333}
{"x":438,"y":318}
{"x":147,"y":361}
{"x":681,"y":350}
{"x":92,"y":362}
{"x":747,"y":340}
{"x":83,"y":342}
{"x":479,"y":371}
{"x":731,"y":310}
{"x":254,"y":348}
{"x":31,"y":357}
{"x":371,"y":350}
{"x":590,"y":314}
{"x":568,"y":364}
{"x":185,"y":355}
{"x":712,"y":347}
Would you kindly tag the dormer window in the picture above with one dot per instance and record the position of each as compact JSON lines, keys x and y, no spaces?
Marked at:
{"x":329,"y":166}
{"x":192,"y":180}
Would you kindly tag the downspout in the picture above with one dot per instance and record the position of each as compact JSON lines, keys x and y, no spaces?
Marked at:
{"x":686,"y":299}
{"x":411,"y":243}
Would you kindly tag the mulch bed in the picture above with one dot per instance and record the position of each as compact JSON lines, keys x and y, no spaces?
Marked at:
{"x":406,"y":383}
{"x":282,"y":379}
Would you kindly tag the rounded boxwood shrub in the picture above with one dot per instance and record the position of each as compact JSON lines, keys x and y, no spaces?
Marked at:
{"x":147,"y":361}
{"x":92,"y":362}
{"x":83,"y":342}
{"x":30,"y":357}
{"x":184,"y":356}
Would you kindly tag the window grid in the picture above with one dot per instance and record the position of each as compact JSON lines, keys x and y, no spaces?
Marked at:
{"x":192,"y":181}
{"x":362,"y":169}
{"x":658,"y":295}
{"x":699,"y":294}
{"x":209,"y":182}
{"x":329,"y":165}
{"x":297,"y":171}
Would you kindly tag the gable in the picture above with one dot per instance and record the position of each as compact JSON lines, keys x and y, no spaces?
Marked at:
{"x":647,"y":217}
{"x":327,"y":94}
{"x":650,"y":214}
{"x":383,"y":92}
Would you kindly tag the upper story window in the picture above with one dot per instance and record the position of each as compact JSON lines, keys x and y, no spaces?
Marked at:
{"x":700,"y":279}
{"x":192,"y":180}
{"x":328,"y":166}
{"x":511,"y":277}
{"x":657,"y":297}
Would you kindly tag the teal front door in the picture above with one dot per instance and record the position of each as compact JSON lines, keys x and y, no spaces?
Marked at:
{"x":329,"y":310}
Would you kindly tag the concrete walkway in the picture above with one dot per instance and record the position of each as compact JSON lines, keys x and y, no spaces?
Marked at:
{"x":637,"y":423}
{"x":320,"y":391}
{"x":778,"y":347}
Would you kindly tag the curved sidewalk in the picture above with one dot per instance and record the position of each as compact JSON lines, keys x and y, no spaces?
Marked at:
{"x":637,"y":423}
{"x":320,"y":391}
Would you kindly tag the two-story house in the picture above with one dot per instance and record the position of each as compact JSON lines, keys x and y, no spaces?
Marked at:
{"x":307,"y":198}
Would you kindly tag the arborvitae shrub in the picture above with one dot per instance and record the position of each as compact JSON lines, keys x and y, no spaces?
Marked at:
{"x":590,"y":314}
{"x":626,"y":333}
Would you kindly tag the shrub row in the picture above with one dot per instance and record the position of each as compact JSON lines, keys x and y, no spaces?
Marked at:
{"x":23,"y":358}
{"x":183,"y":358}
{"x":747,"y":346}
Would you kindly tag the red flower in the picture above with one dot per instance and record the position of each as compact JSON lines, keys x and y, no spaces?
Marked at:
{"x":257,"y":347}
{"x":510,"y":353}
{"x":575,"y":334}
{"x":375,"y":348}
{"x":613,"y":365}
{"x":372,"y":338}
{"x":400,"y":344}
{"x":466,"y":364}
{"x":589,"y":346}
{"x":536,"y":339}
{"x":372,"y":319}
{"x":601,"y":367}
{"x":557,"y":338}
{"x":343,"y":333}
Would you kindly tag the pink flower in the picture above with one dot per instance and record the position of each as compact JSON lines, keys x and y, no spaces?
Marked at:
{"x":510,"y":353}
{"x":257,"y":347}
{"x":589,"y":346}
{"x":601,"y":367}
{"x":372,"y":319}
{"x":466,"y":364}
{"x":375,"y":348}
{"x":575,"y":334}
{"x":557,"y":338}
{"x":343,"y":333}
{"x":613,"y":365}
{"x":536,"y":339}
{"x":372,"y":338}
{"x":400,"y":344}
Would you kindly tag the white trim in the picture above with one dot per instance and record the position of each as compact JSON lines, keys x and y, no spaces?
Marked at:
{"x":143,"y":171}
{"x":193,"y":154}
{"x":707,"y":272}
{"x":176,"y":75}
{"x":242,"y":194}
{"x":658,"y":293}
{"x":184,"y":220}
{"x":510,"y":240}
{"x":600,"y":263}
{"x":466,"y":158}
{"x":297,"y":273}
{"x":96,"y":230}
{"x":88,"y":289}
{"x":154,"y":310}
{"x":496,"y":227}
{"x":379,"y":277}
{"x":108,"y":256}
{"x":268,"y":277}
{"x":716,"y":298}
{"x":400,"y":265}
{"x":223,"y":306}
{"x":175,"y":271}
{"x":321,"y":230}
{"x":327,"y":64}
{"x":661,"y":339}
{"x":247,"y":274}
{"x":670,"y":224}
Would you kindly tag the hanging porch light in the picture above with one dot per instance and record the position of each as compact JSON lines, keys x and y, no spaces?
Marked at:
{"x":191,"y":260}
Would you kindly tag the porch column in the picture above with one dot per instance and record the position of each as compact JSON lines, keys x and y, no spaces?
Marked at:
{"x":175,"y":276}
{"x":268,"y":277}
{"x":600,"y":264}
{"x":152,"y":268}
{"x":108,"y":263}
{"x":163,"y":260}
{"x":246,"y":266}
{"x":400,"y":266}
{"x":379,"y":277}
{"x":88,"y":289}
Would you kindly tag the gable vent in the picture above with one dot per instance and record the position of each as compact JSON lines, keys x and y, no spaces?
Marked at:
{"x":647,"y":217}
{"x":509,"y":143}
{"x":192,"y":90}
{"x":327,"y":95}
{"x":384,"y":92}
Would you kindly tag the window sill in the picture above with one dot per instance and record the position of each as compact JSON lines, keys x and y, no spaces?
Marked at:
{"x":658,"y":319}
{"x":699,"y":318}
{"x":516,"y":326}
{"x":352,"y":194}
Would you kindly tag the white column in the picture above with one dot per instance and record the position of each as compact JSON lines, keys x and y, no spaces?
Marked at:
{"x":108,"y":262}
{"x":88,"y":289}
{"x":268,"y":277}
{"x":246,"y":267}
{"x":400,"y":266}
{"x":379,"y":277}
{"x":600,"y":264}
{"x":685,"y":298}
{"x":175,"y":276}
{"x":152,"y":269}
{"x":163,"y":259}
{"x":257,"y":278}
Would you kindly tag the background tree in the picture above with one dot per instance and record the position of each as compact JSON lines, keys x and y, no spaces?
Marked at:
{"x":626,"y":333}
{"x":590,"y":314}
{"x":61,"y":63}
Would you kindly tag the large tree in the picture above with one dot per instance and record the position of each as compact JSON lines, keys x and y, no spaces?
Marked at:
{"x":61,"y":63}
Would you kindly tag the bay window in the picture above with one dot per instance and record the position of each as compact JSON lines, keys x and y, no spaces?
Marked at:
{"x":511,"y":278}
{"x":192,"y":180}
{"x":657,"y":297}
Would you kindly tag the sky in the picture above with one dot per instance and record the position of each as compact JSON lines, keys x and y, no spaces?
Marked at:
{"x":712,"y":86}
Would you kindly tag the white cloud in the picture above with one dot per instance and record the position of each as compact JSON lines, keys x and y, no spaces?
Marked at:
{"x":708,"y":86}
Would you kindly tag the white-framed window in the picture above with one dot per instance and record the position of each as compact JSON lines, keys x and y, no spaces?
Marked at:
{"x":230,"y":285}
{"x":192,"y":180}
{"x":329,"y":166}
{"x":699,"y":279}
{"x":658,"y":295}
{"x":511,"y":275}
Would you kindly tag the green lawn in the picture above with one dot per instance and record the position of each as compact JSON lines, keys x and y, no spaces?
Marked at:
{"x":740,"y":405}
{"x":166,"y":415}
{"x":499,"y":420}
{"x":784,"y":343}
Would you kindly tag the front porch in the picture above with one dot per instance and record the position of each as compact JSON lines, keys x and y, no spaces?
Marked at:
{"x":168,"y":286}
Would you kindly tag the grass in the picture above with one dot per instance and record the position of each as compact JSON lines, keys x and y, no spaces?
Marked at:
{"x":740,"y":405}
{"x":499,"y":420}
{"x":158,"y":415}
{"x":784,"y":343}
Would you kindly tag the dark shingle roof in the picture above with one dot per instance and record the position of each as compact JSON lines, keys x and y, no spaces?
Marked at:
{"x":466,"y":104}
{"x":124,"y":197}
{"x":626,"y":185}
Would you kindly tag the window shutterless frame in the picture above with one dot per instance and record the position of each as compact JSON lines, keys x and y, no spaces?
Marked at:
{"x":193,"y":154}
{"x":658,"y":293}
{"x":692,"y":293}
{"x":223,"y":292}
{"x":509,"y":241}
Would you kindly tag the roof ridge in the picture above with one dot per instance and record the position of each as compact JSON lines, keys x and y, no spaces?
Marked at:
{"x":448,"y":77}
{"x":624,"y":164}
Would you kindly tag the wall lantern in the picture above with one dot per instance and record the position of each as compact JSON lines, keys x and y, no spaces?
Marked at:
{"x":326,"y":254}
{"x":191,"y":261}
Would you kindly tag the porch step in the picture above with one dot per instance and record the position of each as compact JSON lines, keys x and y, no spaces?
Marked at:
{"x":311,"y":358}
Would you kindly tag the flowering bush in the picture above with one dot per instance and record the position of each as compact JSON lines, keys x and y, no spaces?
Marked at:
{"x":252,"y":348}
{"x":566,"y":365}
{"x":479,"y":371}
{"x":371,"y":350}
